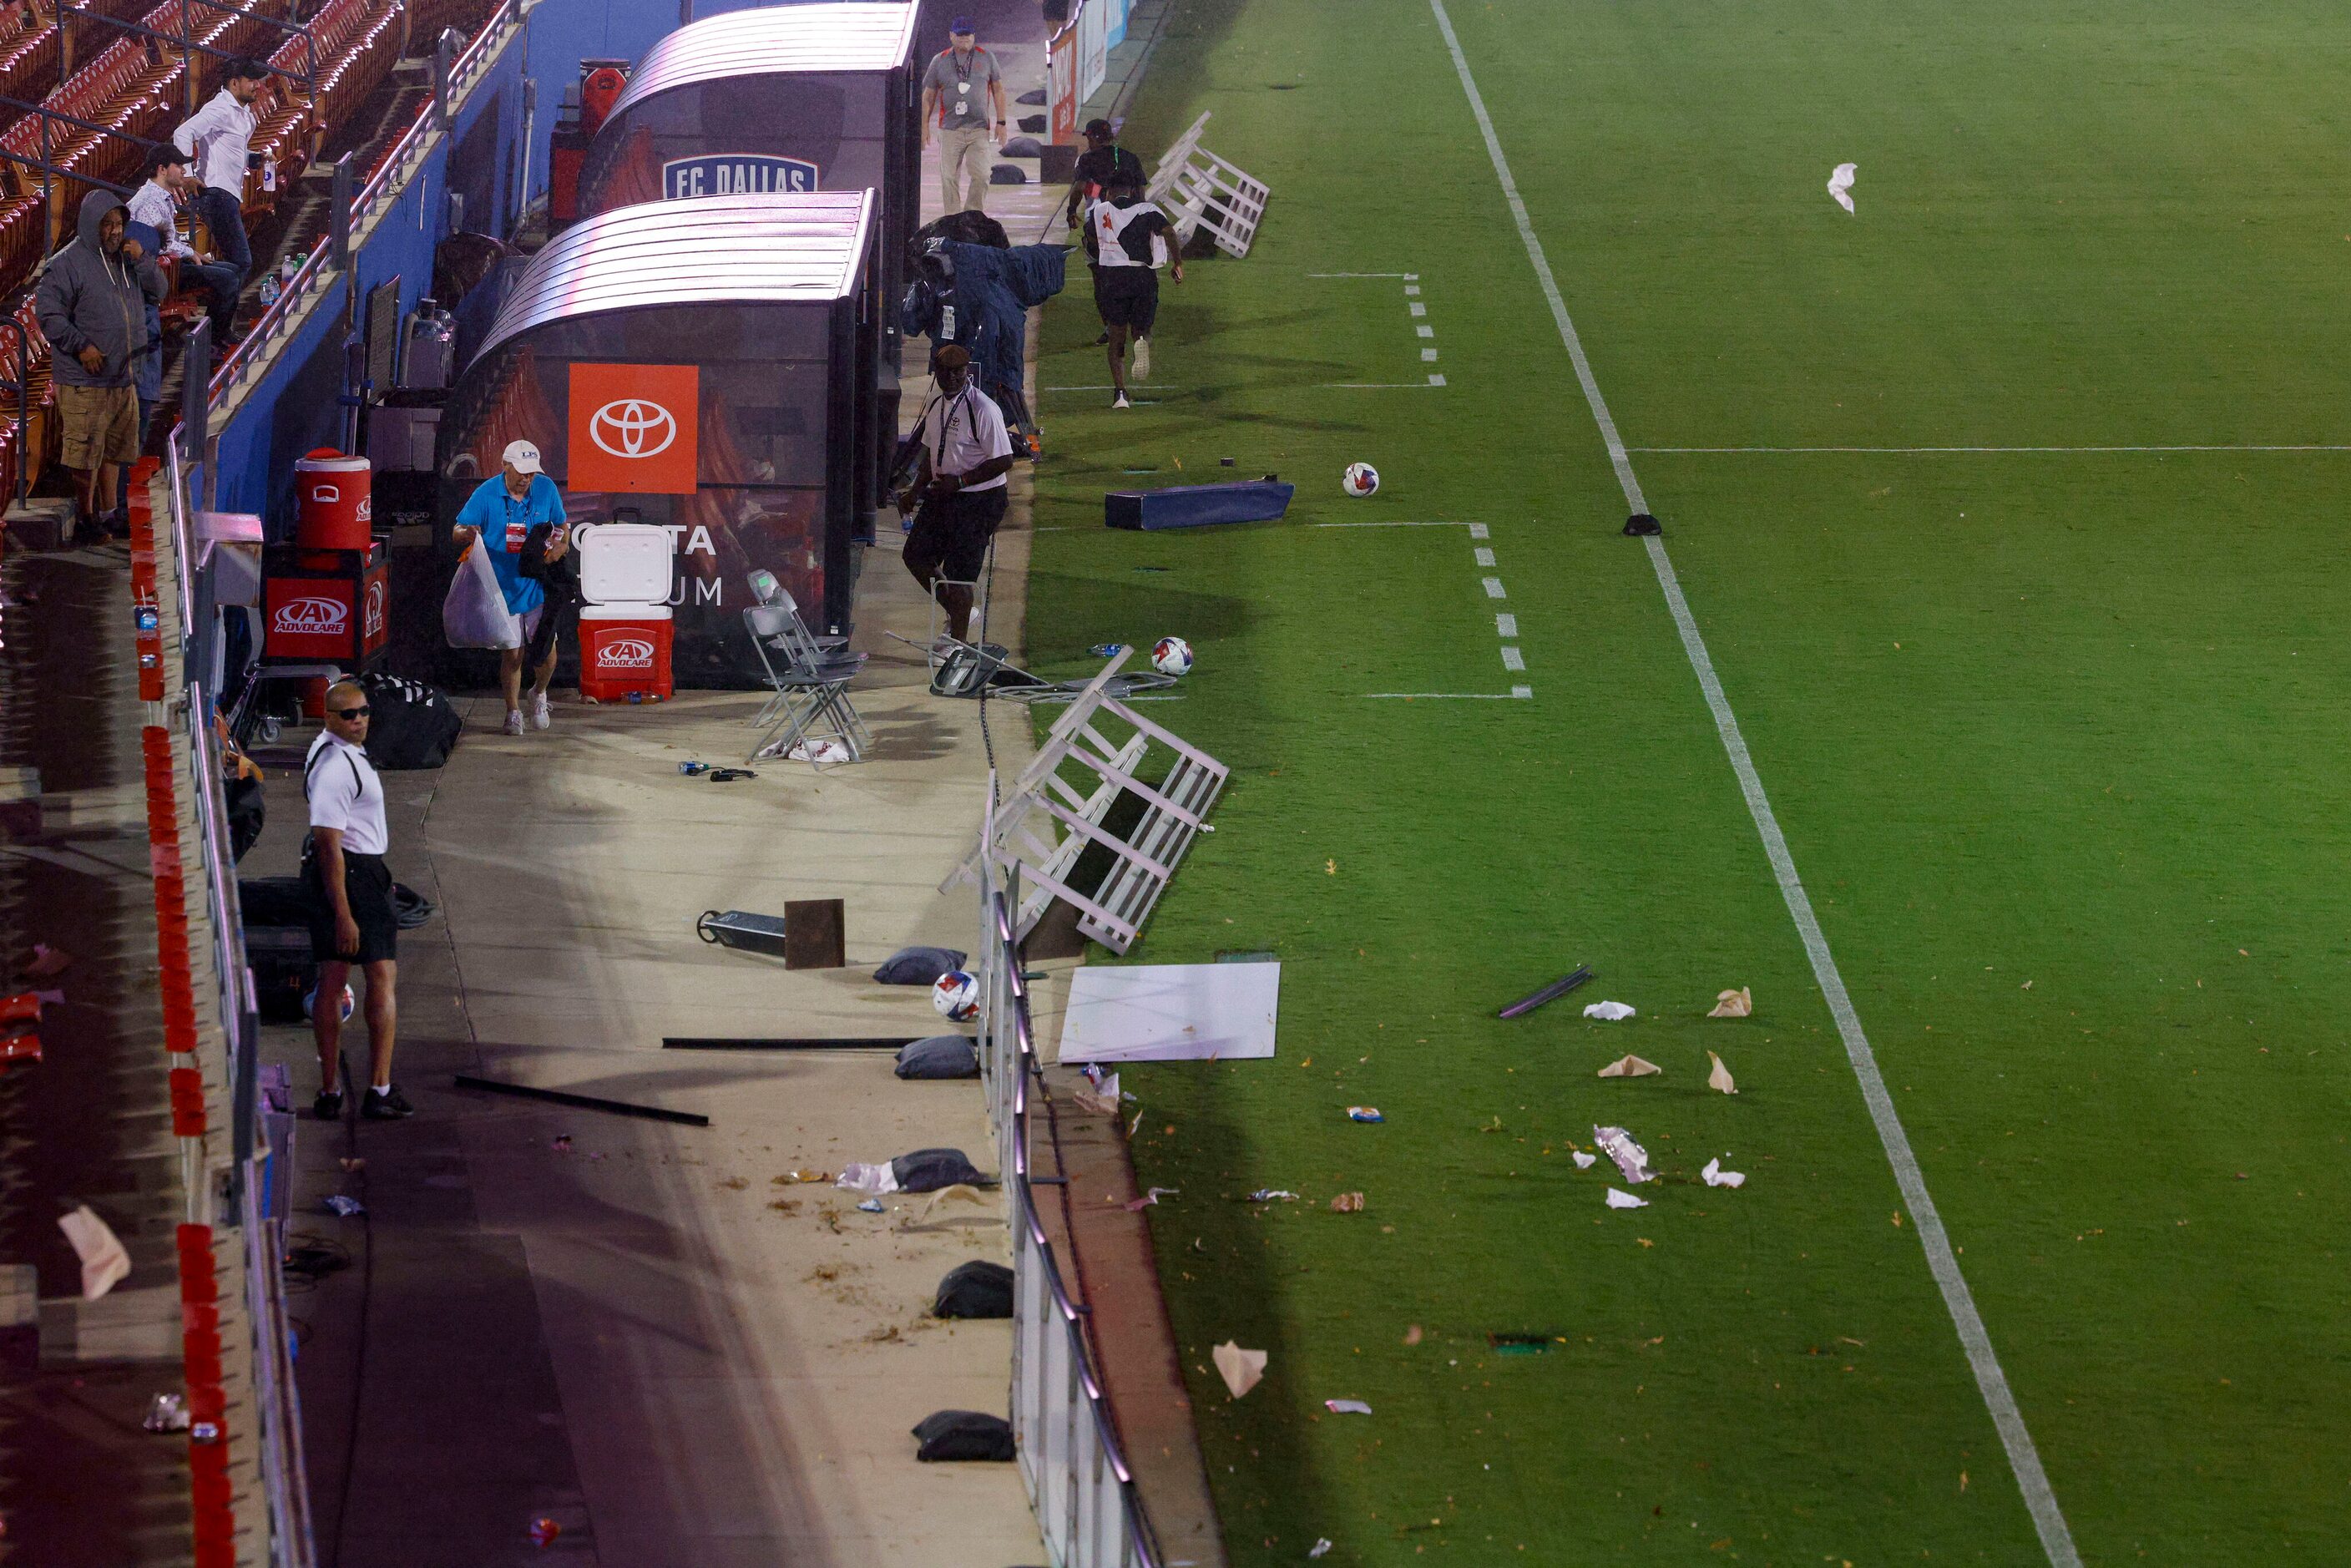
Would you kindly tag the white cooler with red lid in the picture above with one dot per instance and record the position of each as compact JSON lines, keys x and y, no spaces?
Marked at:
{"x":625,"y":572}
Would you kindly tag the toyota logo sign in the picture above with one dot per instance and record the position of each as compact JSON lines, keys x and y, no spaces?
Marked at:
{"x":311,"y":616}
{"x":625,"y":654}
{"x":632,"y":427}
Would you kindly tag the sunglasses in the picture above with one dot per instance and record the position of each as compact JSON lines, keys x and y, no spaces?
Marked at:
{"x":352,"y":712}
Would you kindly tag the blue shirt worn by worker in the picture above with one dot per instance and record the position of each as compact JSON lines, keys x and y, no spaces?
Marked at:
{"x":504,"y":523}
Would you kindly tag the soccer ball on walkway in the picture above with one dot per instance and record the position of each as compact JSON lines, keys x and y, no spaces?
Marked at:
{"x":956,"y":996}
{"x":1172,"y":656}
{"x":1361,"y":479}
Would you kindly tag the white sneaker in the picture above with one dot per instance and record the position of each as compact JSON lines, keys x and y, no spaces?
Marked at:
{"x":513,"y":722}
{"x":1141,"y":367}
{"x":1119,"y":402}
{"x":541,"y":715}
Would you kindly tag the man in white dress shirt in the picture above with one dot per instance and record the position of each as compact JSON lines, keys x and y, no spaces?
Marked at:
{"x":966,"y":453}
{"x":219,"y":138}
{"x":351,"y":917}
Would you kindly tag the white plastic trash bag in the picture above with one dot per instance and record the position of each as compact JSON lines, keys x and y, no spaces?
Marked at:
{"x":475,"y":614}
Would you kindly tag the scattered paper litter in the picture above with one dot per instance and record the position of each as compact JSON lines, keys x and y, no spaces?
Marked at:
{"x":960,"y":1192}
{"x":1411,"y":1334}
{"x":1346,"y":1407}
{"x":830,"y":749}
{"x":1717,"y":1176}
{"x":1630,"y":1157}
{"x":876,"y":1179}
{"x":1584,"y":1162}
{"x":103,"y":1260}
{"x":1364,"y":1113}
{"x":1840,"y":185}
{"x":1138,"y":1205}
{"x":1242,"y":1369}
{"x":340,"y":1204}
{"x":1719,"y":1080}
{"x":1102,"y":1097}
{"x":1273,"y":1194}
{"x":871,"y":1206}
{"x":1608,"y":1012}
{"x":1625,"y":1200}
{"x":1321,"y":1548}
{"x":1348,"y":1203}
{"x":1735,"y":1004}
{"x":1629,"y":1067}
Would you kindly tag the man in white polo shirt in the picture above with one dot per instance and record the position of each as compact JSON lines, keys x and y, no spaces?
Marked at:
{"x":351,"y":916}
{"x":218,"y":138}
{"x":966,"y":453}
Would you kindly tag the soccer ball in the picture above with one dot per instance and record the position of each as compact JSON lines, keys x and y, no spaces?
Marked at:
{"x":311,"y":1000}
{"x":1172,"y":656}
{"x":956,"y":996}
{"x":1361,"y":479}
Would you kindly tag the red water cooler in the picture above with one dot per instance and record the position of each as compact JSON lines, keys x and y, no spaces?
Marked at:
{"x":333,"y":508}
{"x":625,"y":572}
{"x":324,"y":597}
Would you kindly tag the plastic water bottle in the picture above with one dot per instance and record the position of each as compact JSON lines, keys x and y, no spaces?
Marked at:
{"x":269,"y":290}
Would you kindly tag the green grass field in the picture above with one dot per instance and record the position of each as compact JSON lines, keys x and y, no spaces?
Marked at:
{"x":2057,"y":739}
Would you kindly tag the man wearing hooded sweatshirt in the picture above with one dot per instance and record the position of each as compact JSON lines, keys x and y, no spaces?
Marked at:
{"x":92,"y":305}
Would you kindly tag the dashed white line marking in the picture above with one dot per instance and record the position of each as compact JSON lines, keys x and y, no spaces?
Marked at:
{"x":1512,"y":659}
{"x":1436,"y":380}
{"x":1477,"y":531}
{"x":1505,"y":626}
{"x":1494,"y":589}
{"x":1425,"y":331}
{"x":1417,"y":309}
{"x":1975,"y":1339}
{"x":1485,"y":558}
{"x":1412,"y":289}
{"x":1428,"y":356}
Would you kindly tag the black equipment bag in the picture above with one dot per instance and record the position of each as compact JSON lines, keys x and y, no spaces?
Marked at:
{"x":411,"y":725}
{"x":277,"y":917}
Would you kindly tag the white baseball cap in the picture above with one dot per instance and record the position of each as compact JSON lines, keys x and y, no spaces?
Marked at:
{"x":522,"y":457}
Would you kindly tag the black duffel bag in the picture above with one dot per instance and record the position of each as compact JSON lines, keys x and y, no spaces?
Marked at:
{"x":410,"y":726}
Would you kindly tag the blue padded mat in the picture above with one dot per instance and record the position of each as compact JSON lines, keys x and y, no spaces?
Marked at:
{"x":1197,"y":506}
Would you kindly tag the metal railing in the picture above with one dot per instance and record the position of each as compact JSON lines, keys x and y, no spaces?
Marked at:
{"x":275,"y":1401}
{"x":1077,"y":1480}
{"x":373,"y":199}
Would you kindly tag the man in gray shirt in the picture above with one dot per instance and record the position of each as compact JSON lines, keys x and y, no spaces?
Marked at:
{"x":963,"y":96}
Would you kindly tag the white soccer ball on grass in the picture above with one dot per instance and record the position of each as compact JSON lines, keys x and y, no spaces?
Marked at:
{"x":1361,"y":479}
{"x":1172,"y":656}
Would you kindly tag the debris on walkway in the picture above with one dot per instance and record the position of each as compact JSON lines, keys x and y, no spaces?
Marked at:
{"x":103,"y":1260}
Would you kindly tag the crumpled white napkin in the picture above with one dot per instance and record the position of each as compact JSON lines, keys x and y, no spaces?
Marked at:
{"x":1608,"y":1012}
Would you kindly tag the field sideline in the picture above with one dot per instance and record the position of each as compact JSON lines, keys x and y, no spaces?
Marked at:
{"x":2048,"y":714}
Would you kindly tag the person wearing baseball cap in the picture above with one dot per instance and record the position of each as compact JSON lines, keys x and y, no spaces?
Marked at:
{"x":963,"y":95}
{"x":1099,"y":167}
{"x":966,"y":453}
{"x":520,"y":507}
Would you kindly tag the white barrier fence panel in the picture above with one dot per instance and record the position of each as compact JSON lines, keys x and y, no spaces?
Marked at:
{"x":1077,"y":1481}
{"x":1202,"y":191}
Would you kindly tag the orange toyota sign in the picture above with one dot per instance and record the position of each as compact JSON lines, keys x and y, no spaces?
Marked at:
{"x":634,"y":428}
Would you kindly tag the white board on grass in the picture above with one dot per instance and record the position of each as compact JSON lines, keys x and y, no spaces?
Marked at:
{"x":1171,"y":1012}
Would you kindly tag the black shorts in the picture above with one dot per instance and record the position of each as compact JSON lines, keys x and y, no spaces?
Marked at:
{"x":950,"y":537}
{"x":1127,"y":296}
{"x":366,"y":884}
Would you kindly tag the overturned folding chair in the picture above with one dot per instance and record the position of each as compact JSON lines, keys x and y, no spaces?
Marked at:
{"x":810,"y":705}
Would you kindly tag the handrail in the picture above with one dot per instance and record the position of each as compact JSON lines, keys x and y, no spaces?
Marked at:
{"x":274,"y":319}
{"x":185,"y":41}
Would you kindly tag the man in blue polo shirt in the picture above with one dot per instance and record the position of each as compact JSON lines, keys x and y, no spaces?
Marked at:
{"x":501,"y":514}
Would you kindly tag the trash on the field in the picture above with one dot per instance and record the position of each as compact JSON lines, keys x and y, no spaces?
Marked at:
{"x":1629,"y":1067}
{"x":1735,"y":1004}
{"x":1346,"y":1407}
{"x":958,"y":1192}
{"x":1840,"y":185}
{"x":167,"y":1413}
{"x":1242,"y":1369}
{"x":1347,"y":1203}
{"x":1411,"y":1334}
{"x":871,"y":1206}
{"x":1137,"y":1206}
{"x":1608,"y":1012}
{"x":1364,"y":1113}
{"x":1101,"y":1097}
{"x":1584,"y":1162}
{"x":348,"y":1207}
{"x":1322,"y":1545}
{"x":1273,"y":1194}
{"x":877,"y":1179}
{"x":1631,"y":1157}
{"x":1719,"y":1080}
{"x":1550,"y":993}
{"x":1717,"y":1176}
{"x":1625,"y":1200}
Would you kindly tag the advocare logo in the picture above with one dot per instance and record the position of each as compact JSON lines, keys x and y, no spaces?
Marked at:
{"x":625,"y":654}
{"x":311,"y":617}
{"x":374,"y":622}
{"x":632,"y":427}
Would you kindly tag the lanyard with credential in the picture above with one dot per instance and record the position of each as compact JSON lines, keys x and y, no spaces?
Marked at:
{"x":946,"y":422}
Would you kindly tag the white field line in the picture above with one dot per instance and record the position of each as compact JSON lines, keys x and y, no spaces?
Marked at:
{"x":1476,"y":531}
{"x":1389,"y":386}
{"x":1950,"y":451}
{"x":1516,"y":694}
{"x":2033,"y":1482}
{"x":1407,"y":276}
